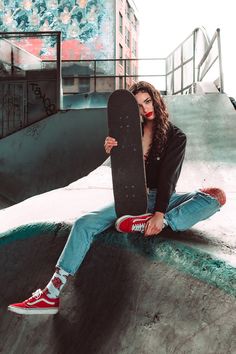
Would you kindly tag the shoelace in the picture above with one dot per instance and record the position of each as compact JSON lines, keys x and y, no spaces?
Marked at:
{"x":37,"y":294}
{"x":138,"y":227}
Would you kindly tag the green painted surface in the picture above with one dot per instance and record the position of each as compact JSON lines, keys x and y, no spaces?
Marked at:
{"x":30,"y":230}
{"x":29,"y":158}
{"x":186,"y":259}
{"x":161,"y":249}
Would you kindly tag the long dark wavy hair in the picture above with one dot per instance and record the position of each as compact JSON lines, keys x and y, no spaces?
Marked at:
{"x":161,"y":120}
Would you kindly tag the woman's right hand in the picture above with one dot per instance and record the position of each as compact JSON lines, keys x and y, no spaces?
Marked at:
{"x":109,"y":144}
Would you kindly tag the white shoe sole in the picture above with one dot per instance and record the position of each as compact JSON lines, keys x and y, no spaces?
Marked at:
{"x":33,"y":311}
{"x":119,"y":221}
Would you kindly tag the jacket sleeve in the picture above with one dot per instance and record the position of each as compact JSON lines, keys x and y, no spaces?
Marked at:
{"x":170,"y":168}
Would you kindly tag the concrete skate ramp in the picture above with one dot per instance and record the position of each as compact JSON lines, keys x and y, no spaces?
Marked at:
{"x":52,"y":152}
{"x":171,"y":294}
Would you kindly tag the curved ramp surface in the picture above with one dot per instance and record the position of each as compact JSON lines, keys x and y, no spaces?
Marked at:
{"x":119,"y":302}
{"x":170,"y":294}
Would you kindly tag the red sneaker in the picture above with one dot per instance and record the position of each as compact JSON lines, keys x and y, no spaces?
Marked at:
{"x":37,"y":304}
{"x":129,"y":223}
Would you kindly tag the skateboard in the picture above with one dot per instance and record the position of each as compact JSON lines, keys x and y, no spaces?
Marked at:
{"x":128,"y":172}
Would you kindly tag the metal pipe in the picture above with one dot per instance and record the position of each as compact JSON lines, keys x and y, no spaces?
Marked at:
{"x":194,"y":56}
{"x":208,"y":49}
{"x":207,"y":70}
{"x":182,"y":70}
{"x":95,"y":76}
{"x":166,"y":76}
{"x":220,"y":62}
{"x":59,"y":76}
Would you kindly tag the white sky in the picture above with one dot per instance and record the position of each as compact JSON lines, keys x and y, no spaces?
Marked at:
{"x":165,"y":24}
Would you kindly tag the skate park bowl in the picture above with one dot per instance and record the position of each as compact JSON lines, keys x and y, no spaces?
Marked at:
{"x":174,"y":293}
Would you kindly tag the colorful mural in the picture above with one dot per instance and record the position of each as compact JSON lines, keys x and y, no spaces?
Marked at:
{"x":85,"y":26}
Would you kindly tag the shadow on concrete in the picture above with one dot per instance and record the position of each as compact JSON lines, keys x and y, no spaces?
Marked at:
{"x":91,"y":305}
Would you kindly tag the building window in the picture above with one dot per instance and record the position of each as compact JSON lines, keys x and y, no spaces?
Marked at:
{"x":135,"y":23}
{"x":135,"y":71}
{"x":120,"y":23}
{"x":121,"y":85}
{"x":127,"y":9}
{"x":128,"y":66}
{"x":84,"y":85}
{"x":120,"y":54}
{"x":69,"y":81}
{"x":134,"y":48}
{"x":127,"y":37}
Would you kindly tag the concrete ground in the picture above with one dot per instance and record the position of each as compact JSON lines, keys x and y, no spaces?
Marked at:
{"x":171,"y":294}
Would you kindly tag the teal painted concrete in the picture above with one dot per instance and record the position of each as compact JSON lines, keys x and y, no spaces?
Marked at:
{"x":52,"y":153}
{"x":32,"y":230}
{"x":29,"y":158}
{"x":183,"y":258}
{"x":86,"y":100}
{"x":210,"y":123}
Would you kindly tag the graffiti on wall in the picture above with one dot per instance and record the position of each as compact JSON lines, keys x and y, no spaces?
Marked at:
{"x":85,"y":26}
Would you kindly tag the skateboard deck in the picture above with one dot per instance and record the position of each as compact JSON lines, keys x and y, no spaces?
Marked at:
{"x":128,"y":172}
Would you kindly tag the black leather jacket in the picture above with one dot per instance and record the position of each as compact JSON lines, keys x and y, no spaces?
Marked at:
{"x":163,"y":172}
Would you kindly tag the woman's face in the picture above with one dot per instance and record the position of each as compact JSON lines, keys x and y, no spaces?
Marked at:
{"x":145,"y":104}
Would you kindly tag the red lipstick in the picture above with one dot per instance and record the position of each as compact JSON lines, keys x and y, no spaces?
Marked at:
{"x":149,"y":114}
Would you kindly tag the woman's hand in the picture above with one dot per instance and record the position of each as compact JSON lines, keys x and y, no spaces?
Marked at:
{"x":109,"y":144}
{"x":154,"y":225}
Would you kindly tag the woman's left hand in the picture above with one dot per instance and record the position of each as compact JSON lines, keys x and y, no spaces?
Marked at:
{"x":154,"y":225}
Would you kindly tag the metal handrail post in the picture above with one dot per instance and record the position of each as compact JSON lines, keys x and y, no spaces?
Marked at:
{"x":182,"y":69}
{"x":220,"y":61}
{"x":208,"y":49}
{"x":95,"y":75}
{"x":194,"y":58}
{"x":12,"y":61}
{"x":172,"y":76}
{"x":166,"y":75}
{"x":215,"y":37}
{"x":125,"y":72}
{"x":59,"y":76}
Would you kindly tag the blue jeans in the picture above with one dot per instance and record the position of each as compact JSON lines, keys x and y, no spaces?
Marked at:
{"x":184,"y":210}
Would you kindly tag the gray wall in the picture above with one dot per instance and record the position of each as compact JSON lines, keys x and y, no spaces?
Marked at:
{"x":52,"y":153}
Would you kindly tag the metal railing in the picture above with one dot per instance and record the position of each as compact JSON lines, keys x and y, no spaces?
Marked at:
{"x":28,"y":93}
{"x":14,"y":54}
{"x":218,"y":56}
{"x":188,"y":63}
{"x":191,"y":61}
{"x":107,"y":74}
{"x":184,"y":66}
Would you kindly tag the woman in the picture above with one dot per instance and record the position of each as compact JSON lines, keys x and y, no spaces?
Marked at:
{"x":163,"y":149}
